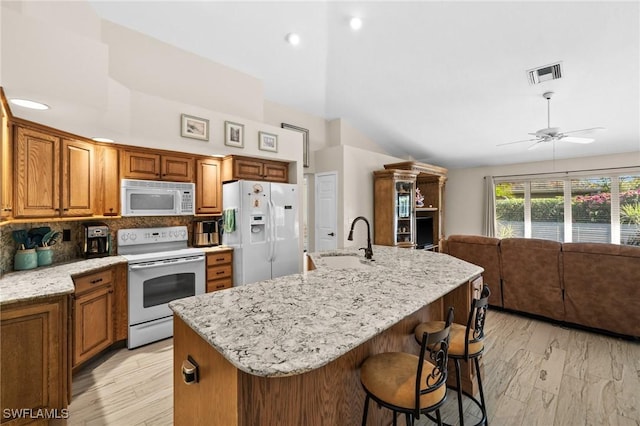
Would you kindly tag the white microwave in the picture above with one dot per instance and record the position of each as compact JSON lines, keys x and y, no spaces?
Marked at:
{"x":156,"y":198}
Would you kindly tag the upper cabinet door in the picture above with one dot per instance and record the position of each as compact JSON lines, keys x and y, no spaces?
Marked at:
{"x":37,"y":174}
{"x":107,"y":194}
{"x":178,"y":169}
{"x":208,"y":193}
{"x":77,"y":178}
{"x":140,"y":165}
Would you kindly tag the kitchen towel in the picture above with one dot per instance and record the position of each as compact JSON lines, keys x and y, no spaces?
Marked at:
{"x":229,"y":220}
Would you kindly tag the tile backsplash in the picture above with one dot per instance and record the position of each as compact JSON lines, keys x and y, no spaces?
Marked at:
{"x":64,"y":251}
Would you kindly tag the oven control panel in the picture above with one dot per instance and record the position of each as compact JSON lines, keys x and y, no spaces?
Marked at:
{"x":152,"y":235}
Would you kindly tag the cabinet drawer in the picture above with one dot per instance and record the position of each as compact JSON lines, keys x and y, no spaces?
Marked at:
{"x":218,"y":272}
{"x":89,"y":282}
{"x":219,"y":258}
{"x":216,"y":285}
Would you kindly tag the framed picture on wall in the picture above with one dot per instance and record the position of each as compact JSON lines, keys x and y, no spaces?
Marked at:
{"x":305,"y":141}
{"x":194,"y":127}
{"x":267,"y":141}
{"x":234,"y":134}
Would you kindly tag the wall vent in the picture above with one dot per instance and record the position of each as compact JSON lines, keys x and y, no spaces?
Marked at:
{"x":545,"y":73}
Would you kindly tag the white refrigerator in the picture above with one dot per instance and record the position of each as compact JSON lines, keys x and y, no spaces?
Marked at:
{"x":265,"y":231}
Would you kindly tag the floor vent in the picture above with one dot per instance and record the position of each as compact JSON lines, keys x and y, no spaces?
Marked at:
{"x":545,"y":73}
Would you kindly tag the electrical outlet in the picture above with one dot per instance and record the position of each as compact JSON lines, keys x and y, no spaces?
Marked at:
{"x":66,"y":235}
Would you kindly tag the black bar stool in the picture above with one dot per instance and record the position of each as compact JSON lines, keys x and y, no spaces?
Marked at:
{"x":465,"y":343}
{"x":406,"y":383}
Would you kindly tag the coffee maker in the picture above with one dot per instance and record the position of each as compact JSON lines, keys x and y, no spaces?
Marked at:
{"x":96,"y":239}
{"x":205,"y":233}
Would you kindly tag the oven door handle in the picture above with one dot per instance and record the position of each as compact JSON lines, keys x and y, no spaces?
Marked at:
{"x":167,"y":263}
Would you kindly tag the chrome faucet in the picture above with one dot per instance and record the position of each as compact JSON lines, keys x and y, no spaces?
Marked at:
{"x":368,"y":252}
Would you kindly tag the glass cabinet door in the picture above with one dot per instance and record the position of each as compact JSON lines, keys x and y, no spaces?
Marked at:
{"x":404,"y":221}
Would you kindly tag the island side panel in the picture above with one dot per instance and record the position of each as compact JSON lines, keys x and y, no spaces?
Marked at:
{"x":214,"y":399}
{"x":330,"y":395}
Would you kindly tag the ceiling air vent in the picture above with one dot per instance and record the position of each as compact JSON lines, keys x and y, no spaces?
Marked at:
{"x":545,"y":73}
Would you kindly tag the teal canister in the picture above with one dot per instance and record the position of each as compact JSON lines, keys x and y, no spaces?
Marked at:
{"x":25,"y":259}
{"x":45,"y":255}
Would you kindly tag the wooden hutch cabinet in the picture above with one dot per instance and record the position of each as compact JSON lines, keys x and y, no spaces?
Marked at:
{"x":429,"y":218}
{"x":394,"y":211}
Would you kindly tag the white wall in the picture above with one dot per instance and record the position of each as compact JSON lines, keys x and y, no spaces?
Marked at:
{"x":464,"y":194}
{"x":276,"y":114}
{"x":357,"y":190}
{"x":90,"y":72}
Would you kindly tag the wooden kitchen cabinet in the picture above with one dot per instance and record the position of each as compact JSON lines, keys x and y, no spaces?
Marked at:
{"x":236,"y":167}
{"x":93,"y":309}
{"x":208,"y":187}
{"x":46,"y":167}
{"x":33,"y":348}
{"x":37,"y":174}
{"x":148,"y":165}
{"x":77,"y":178}
{"x":6,"y":166}
{"x":219,"y":270}
{"x":107,"y":193}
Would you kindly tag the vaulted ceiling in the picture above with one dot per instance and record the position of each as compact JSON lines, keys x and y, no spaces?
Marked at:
{"x":442,"y":82}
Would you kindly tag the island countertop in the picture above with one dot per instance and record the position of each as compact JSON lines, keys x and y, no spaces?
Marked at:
{"x":297,"y":323}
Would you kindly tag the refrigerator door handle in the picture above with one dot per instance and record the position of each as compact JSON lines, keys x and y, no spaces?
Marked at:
{"x":270,"y":231}
{"x":273,"y":230}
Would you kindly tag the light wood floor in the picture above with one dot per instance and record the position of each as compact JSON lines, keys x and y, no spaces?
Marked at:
{"x":534,"y":374}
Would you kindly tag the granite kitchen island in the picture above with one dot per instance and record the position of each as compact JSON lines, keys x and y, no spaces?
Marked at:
{"x":287,"y":351}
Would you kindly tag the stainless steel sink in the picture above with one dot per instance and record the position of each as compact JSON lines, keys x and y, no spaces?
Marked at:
{"x":344,"y":261}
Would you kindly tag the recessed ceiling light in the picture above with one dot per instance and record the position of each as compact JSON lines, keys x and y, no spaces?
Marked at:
{"x":293,"y":39}
{"x":355,"y":23}
{"x":102,"y":139}
{"x":29,"y":104}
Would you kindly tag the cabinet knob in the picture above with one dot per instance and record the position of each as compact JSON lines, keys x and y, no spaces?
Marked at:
{"x":331,"y":234}
{"x":190,"y":371}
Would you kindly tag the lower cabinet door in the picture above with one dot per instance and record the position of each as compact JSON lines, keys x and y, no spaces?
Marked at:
{"x":33,"y":353}
{"x":92,"y":323}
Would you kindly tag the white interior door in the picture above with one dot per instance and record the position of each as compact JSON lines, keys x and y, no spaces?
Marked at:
{"x":326,"y":193}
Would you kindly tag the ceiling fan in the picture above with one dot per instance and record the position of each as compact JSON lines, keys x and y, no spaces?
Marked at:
{"x":552,"y":134}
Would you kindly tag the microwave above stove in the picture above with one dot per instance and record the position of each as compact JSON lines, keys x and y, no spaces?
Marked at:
{"x":157,"y":198}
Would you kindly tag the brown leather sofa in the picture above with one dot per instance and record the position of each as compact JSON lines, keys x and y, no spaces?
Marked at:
{"x":602,"y":286}
{"x":532,"y":277}
{"x":482,"y":251}
{"x":591,"y":285}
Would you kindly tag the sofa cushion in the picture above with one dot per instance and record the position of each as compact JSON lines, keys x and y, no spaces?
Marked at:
{"x":602,"y":286}
{"x":531,"y":276}
{"x":481,"y":251}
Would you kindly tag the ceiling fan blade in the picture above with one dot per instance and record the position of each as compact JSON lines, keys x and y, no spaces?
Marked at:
{"x":535,"y":145}
{"x":574,"y":139}
{"x":592,"y":129}
{"x":524,"y":140}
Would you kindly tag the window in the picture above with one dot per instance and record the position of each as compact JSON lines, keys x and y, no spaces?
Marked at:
{"x":510,"y":209}
{"x":594,"y":209}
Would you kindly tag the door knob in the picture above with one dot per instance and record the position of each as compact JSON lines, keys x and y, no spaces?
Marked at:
{"x":331,"y":234}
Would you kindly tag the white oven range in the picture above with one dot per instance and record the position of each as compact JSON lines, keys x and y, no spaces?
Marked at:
{"x":161,"y":268}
